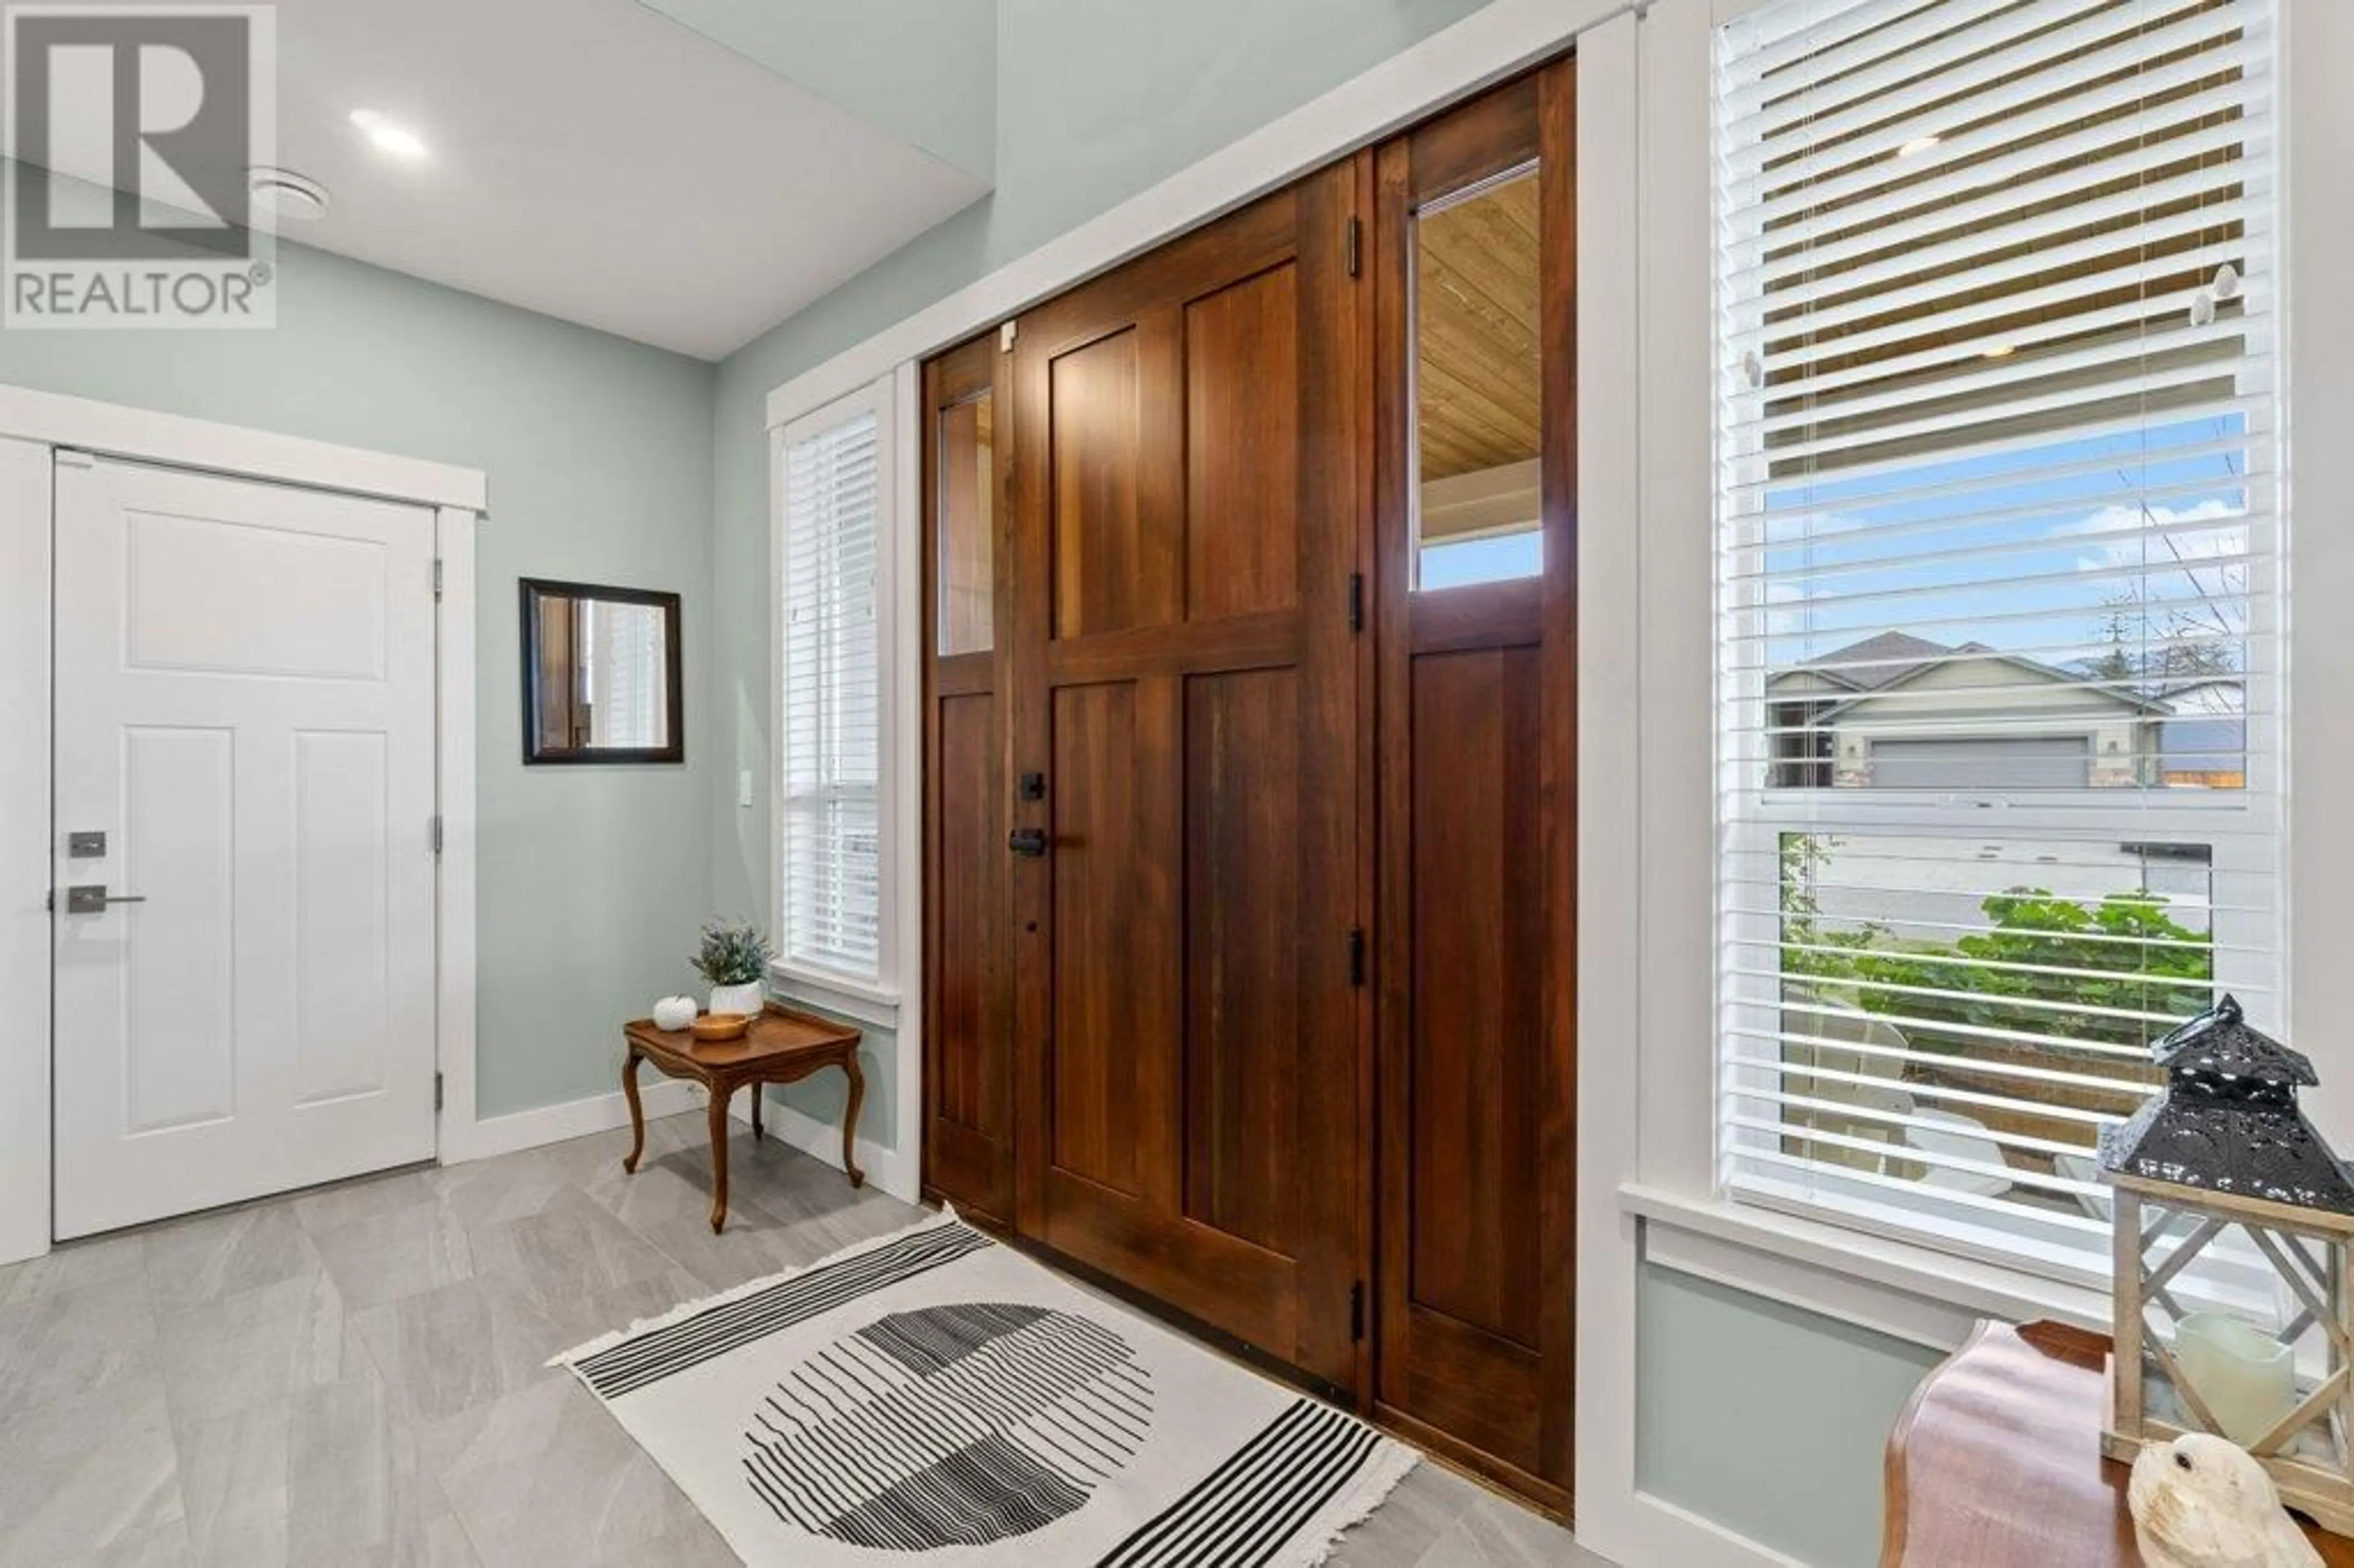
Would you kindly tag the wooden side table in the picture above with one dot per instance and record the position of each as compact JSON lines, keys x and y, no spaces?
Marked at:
{"x":1995,"y":1461}
{"x":782,"y":1047}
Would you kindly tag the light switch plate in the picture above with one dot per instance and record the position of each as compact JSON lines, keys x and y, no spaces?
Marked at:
{"x":744,"y":787}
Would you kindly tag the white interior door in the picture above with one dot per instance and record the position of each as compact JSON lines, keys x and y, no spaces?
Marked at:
{"x":245,"y":710}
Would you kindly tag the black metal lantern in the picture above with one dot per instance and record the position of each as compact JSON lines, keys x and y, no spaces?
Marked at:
{"x":2225,"y":1149}
{"x":2228,"y":1122}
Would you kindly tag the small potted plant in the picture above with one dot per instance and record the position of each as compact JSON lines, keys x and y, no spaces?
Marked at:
{"x":735,"y":959}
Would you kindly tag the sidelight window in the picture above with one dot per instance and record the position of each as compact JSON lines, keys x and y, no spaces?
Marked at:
{"x":1478,"y":385}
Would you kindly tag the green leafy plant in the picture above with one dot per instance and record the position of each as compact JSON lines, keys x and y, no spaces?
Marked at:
{"x":2092,"y":960}
{"x":733,"y":955}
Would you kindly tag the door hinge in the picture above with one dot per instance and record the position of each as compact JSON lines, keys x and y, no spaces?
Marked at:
{"x":1357,"y":1312}
{"x":437,"y":1091}
{"x":1005,"y":337}
{"x":1357,"y":245}
{"x":437,"y":577}
{"x":1357,"y":955}
{"x":433,"y":832}
{"x":1356,"y":601}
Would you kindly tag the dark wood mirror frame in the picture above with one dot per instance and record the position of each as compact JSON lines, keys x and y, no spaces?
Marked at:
{"x":532,"y":593}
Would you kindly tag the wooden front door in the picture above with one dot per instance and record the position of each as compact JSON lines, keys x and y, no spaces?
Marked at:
{"x":1474,"y":264}
{"x":1184,"y":681}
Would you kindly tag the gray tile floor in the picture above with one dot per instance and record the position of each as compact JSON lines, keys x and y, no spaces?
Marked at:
{"x":354,"y":1375}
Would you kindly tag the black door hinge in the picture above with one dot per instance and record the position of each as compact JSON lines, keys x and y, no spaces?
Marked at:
{"x":1357,"y":1312}
{"x":1356,"y":601}
{"x":1357,"y":955}
{"x":1357,"y":245}
{"x":437,"y":1091}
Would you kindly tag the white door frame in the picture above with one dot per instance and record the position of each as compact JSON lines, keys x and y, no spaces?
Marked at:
{"x":32,"y":424}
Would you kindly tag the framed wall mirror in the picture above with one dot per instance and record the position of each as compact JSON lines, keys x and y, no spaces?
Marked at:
{"x":602,"y":674}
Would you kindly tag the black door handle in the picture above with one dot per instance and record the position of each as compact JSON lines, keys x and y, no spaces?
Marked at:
{"x":1028,"y":842}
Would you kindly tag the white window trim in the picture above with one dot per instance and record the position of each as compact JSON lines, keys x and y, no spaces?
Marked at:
{"x":1670,"y":1179}
{"x":874,"y":1000}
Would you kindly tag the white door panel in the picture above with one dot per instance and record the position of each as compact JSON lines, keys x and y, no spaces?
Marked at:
{"x":245,"y":708}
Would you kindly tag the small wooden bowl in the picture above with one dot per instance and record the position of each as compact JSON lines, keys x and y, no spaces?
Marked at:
{"x":712,"y":1027}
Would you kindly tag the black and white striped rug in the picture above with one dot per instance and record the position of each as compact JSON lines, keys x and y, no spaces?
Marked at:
{"x":932,"y":1397}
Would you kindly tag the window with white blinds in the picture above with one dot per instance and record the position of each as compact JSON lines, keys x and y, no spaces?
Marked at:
{"x":1998,"y":552}
{"x":831,"y":692}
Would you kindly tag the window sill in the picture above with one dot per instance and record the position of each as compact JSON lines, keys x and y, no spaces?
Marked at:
{"x":861,"y":1001}
{"x":1928,"y":1298}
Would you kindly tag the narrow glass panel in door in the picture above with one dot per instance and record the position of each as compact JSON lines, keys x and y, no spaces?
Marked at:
{"x":1478,"y":385}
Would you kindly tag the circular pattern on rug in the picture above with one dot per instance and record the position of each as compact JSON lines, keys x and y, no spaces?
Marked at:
{"x":951,"y":1425}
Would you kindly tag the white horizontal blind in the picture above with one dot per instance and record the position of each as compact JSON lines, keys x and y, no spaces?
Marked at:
{"x":832,"y":873}
{"x":1999,"y":568}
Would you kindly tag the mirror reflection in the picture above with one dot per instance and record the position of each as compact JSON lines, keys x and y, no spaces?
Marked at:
{"x":601,"y":677}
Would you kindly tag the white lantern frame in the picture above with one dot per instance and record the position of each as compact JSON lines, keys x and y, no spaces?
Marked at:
{"x":2311,"y":1251}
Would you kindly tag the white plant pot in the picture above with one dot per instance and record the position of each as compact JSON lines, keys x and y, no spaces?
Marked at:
{"x":746,"y":998}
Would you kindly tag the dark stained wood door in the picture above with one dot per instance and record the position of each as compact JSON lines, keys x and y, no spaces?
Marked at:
{"x":1190,"y":493}
{"x":968,"y":995}
{"x":1474,"y":262}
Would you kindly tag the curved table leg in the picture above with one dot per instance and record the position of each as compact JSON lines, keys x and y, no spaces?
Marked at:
{"x":718,"y":1158}
{"x":849,"y":1120}
{"x":637,"y":1113}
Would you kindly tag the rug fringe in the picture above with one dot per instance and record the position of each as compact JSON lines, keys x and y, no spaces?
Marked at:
{"x":1393,"y":1461}
{"x":947,"y":1216}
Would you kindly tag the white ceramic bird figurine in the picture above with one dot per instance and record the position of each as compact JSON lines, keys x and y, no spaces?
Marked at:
{"x":2202,"y":1502}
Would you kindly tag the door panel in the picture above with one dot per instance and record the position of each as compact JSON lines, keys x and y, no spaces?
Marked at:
{"x":251,"y":724}
{"x":1113,"y":935}
{"x":1112,"y":556}
{"x":1243,"y":1052}
{"x":968,"y":1026}
{"x":343,"y":991}
{"x":1184,"y":674}
{"x":178,"y":993}
{"x":967,"y":1092}
{"x":1242,"y":448}
{"x":1479,"y":961}
{"x":1475,"y":498}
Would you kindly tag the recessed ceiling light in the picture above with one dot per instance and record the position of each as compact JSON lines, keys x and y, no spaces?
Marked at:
{"x":287,"y":194}
{"x":1918,"y":145}
{"x":389,"y":137}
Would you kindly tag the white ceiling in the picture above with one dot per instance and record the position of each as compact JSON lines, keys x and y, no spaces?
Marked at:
{"x":592,"y":159}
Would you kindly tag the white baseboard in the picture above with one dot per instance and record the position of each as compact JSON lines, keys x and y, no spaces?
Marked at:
{"x":821,"y":1140}
{"x":572,"y":1119}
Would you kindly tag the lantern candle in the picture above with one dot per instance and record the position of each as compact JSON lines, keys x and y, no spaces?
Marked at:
{"x":2247,"y":1378}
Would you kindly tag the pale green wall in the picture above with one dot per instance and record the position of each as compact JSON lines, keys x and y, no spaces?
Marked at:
{"x":1095,"y":103}
{"x":925,"y":70}
{"x":1765,"y":1418}
{"x":593,"y":880}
